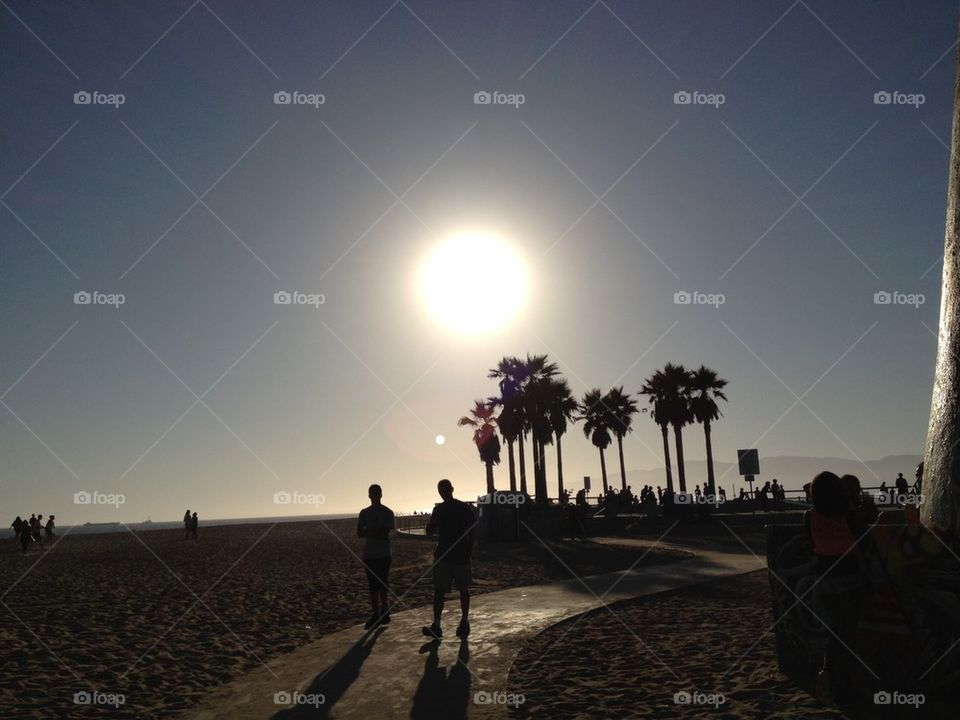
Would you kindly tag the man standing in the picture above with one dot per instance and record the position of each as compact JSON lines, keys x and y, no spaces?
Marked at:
{"x":374,"y":525}
{"x":454,"y":521}
{"x":186,"y":524}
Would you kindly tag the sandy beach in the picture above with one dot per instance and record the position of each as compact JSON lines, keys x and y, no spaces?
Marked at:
{"x":163,"y":621}
{"x":694,"y":640}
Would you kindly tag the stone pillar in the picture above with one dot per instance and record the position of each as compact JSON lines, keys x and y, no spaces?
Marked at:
{"x":940,"y":509}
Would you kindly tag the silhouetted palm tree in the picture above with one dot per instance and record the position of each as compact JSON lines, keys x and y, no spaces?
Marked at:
{"x":511,"y":373}
{"x":706,"y":388}
{"x":562,"y":409}
{"x":622,"y":408}
{"x":652,"y":388}
{"x":482,"y":419}
{"x":596,"y":426}
{"x":535,"y":392}
{"x":677,"y":386}
{"x":659,"y":389}
{"x":536,"y":396}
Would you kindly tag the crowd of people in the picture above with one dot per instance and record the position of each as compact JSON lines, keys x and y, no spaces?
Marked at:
{"x":34,"y":530}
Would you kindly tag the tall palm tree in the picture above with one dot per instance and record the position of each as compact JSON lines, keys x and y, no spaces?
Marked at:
{"x":622,"y":408}
{"x":540,"y":370}
{"x":562,"y":409}
{"x":653,"y":388}
{"x":510,"y":422}
{"x":596,"y":426}
{"x":706,"y":388}
{"x":536,"y":395}
{"x":677,"y":380}
{"x":511,"y":374}
{"x":484,"y":423}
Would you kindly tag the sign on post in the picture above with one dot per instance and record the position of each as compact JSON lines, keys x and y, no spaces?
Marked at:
{"x":749,"y":462}
{"x":586,"y":483}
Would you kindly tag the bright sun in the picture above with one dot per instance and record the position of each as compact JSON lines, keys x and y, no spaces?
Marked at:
{"x":473,"y":283}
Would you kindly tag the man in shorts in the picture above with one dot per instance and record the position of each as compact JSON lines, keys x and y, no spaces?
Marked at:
{"x":454,"y":522}
{"x":374,"y":525}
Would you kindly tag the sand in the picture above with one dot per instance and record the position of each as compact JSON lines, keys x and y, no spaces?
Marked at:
{"x":694,"y":638}
{"x":120,"y":614}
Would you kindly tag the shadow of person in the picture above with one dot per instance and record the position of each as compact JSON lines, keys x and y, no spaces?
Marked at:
{"x":333,"y":682}
{"x":442,"y":693}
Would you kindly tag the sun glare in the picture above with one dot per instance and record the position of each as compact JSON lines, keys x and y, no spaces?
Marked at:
{"x":473,"y":283}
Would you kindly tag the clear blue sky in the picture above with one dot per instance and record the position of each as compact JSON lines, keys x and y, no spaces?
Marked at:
{"x":333,"y":398}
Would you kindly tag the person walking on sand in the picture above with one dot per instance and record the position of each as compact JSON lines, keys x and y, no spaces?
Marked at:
{"x":186,"y":524}
{"x":25,"y":536}
{"x":194,"y":523}
{"x":374,"y":525}
{"x":454,"y":522}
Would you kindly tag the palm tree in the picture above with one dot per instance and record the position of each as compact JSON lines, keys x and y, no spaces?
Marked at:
{"x":706,"y":388}
{"x":511,"y":374}
{"x":562,"y":409}
{"x":510,"y":422}
{"x":540,"y":370}
{"x":536,"y":396}
{"x":482,"y":419}
{"x":622,"y":408}
{"x":677,"y":385}
{"x":660,"y":389}
{"x":596,"y":426}
{"x":653,"y":389}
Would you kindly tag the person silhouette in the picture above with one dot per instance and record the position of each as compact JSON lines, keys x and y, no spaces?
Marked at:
{"x":454,"y":522}
{"x":834,"y":528}
{"x":901,"y":484}
{"x":374,"y":525}
{"x":26,"y":535}
{"x":194,"y":523}
{"x":49,"y":527}
{"x":186,"y":524}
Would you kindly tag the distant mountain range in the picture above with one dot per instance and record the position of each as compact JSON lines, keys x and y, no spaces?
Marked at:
{"x":790,"y":470}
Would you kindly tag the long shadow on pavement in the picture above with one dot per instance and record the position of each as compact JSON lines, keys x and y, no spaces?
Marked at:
{"x":442,"y":694}
{"x":333,"y":682}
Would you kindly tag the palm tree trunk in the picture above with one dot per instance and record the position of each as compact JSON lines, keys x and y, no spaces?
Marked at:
{"x":544,"y":494}
{"x":523,"y":466}
{"x":710,"y":482}
{"x":535,"y":444}
{"x":666,"y":457}
{"x":681,"y":474}
{"x":559,"y":470}
{"x":490,"y":487}
{"x":513,"y":469}
{"x":623,"y":471}
{"x":603,"y":471}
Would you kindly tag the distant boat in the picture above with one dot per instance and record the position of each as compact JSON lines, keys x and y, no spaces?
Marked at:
{"x":100,"y":524}
{"x":148,"y":521}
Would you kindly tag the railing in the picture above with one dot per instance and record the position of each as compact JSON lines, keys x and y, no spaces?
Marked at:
{"x":408,"y":523}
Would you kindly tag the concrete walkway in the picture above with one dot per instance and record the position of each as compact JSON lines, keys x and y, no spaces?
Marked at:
{"x":394,"y":673}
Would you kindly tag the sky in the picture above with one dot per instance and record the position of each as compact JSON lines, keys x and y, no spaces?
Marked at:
{"x":782,"y":197}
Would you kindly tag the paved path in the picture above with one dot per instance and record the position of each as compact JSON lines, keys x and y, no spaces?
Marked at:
{"x":394,"y":673}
